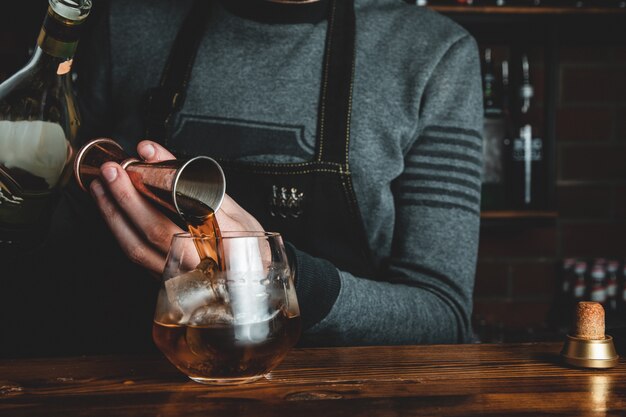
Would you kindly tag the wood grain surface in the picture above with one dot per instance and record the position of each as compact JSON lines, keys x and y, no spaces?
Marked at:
{"x":458,"y":380}
{"x":534,"y":10}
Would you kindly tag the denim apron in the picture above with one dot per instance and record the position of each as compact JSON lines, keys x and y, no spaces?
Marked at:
{"x":312,"y":204}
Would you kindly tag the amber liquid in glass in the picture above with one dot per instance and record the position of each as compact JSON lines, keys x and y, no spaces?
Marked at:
{"x":224,"y":352}
{"x":227,"y":352}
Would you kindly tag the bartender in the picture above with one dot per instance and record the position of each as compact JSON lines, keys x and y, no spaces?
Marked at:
{"x":352,"y":127}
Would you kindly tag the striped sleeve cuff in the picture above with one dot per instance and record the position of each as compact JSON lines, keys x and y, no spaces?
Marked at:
{"x":443,"y":170}
{"x":317,"y":285}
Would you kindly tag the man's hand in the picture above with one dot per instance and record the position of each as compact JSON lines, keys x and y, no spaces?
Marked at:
{"x":143,"y":232}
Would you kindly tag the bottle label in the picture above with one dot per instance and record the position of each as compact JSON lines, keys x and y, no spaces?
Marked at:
{"x":611,"y":289}
{"x":64,"y":67}
{"x":35,"y":150}
{"x":520,"y":150}
{"x":61,"y":29}
{"x":33,"y":157}
{"x":494,"y":132}
{"x":598,"y":295}
{"x":59,"y":36}
{"x":579,"y":290}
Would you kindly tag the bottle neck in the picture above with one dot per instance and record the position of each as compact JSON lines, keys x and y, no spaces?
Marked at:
{"x":46,"y":63}
{"x":59,"y":36}
{"x":491,"y":93}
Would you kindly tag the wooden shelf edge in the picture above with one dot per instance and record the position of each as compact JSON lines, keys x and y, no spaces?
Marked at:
{"x":540,"y":10}
{"x":519,"y":214}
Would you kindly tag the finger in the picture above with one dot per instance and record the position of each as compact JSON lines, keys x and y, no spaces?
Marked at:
{"x":229,"y":206}
{"x":232,"y":217}
{"x":129,"y":240}
{"x":153,"y":152}
{"x":152,"y":225}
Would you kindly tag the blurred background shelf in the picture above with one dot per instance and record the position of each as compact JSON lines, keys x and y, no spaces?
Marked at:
{"x":578,"y":61}
{"x":518,"y":214}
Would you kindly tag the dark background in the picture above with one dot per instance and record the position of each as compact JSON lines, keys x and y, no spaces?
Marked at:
{"x":579,"y":72}
{"x":578,"y":69}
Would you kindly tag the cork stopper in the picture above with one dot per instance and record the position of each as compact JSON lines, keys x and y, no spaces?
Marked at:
{"x":588,"y":346}
{"x":589,"y":321}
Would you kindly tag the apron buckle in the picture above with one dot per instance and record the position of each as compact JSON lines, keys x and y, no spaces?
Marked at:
{"x":286,"y":202}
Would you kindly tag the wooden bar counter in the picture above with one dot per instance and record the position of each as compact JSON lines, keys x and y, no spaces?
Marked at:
{"x":459,"y":380}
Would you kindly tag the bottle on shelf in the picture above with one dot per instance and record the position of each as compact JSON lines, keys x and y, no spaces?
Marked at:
{"x":494,"y":136}
{"x":621,"y":306}
{"x":38,"y":126}
{"x":509,"y":135}
{"x":611,"y":286}
{"x":600,"y":261}
{"x":568,"y":277}
{"x":579,"y":288}
{"x":505,"y":88}
{"x":598,"y":291}
{"x":526,"y":161}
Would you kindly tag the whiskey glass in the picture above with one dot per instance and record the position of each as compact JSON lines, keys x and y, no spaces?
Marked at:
{"x":230,"y":320}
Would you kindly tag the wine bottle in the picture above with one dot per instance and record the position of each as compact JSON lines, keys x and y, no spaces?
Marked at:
{"x":527,"y":185}
{"x":494,"y":135}
{"x":39,"y":122}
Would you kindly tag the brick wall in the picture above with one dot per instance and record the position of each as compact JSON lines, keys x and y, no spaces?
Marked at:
{"x":518,"y":264}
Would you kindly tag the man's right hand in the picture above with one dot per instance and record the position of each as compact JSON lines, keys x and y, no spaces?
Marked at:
{"x":143,"y":232}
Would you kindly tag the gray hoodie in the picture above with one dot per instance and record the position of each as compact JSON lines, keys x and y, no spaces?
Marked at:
{"x":415,"y":148}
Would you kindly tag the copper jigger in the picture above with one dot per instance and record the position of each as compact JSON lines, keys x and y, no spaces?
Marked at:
{"x":187,"y":187}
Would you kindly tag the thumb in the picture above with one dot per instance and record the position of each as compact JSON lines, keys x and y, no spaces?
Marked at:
{"x":153,"y":152}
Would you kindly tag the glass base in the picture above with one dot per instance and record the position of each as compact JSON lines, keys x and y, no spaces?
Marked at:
{"x":226,"y":381}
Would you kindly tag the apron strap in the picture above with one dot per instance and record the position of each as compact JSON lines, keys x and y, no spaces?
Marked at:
{"x":333,"y":126}
{"x":166,"y":99}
